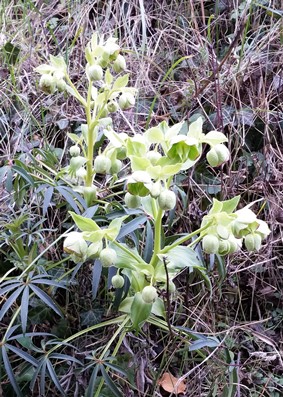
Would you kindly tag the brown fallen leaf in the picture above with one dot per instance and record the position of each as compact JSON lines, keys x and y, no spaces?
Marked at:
{"x":168,"y":382}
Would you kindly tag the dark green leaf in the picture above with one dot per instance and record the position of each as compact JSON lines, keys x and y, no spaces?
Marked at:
{"x":109,"y":382}
{"x":24,"y":308}
{"x":23,"y":173}
{"x":45,"y":298}
{"x":47,"y":199}
{"x":10,"y":373}
{"x":92,"y":382}
{"x":9,"y":302}
{"x":24,"y":355}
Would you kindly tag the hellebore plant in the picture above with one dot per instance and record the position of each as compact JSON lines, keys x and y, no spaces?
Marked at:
{"x":153,"y":160}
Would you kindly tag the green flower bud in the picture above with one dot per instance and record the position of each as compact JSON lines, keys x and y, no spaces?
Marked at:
{"x":95,"y":72}
{"x":94,"y":250}
{"x":90,"y":193}
{"x":108,"y":257}
{"x":102,"y":164}
{"x":47,"y":84}
{"x":167,"y":200}
{"x":126,"y":100}
{"x":74,"y":244}
{"x":253,"y":242}
{"x":75,"y":151}
{"x":119,"y":64}
{"x":217,"y":155}
{"x":155,"y":190}
{"x":115,"y":167}
{"x":153,"y":156}
{"x":132,"y":201}
{"x":112,"y":106}
{"x":118,"y":281}
{"x":210,"y":244}
{"x":149,"y":294}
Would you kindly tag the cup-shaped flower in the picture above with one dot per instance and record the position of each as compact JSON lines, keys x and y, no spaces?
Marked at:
{"x":94,"y":250}
{"x":102,"y":164}
{"x":75,"y":151}
{"x":167,"y":200}
{"x":108,"y":257}
{"x":132,"y":201}
{"x":47,"y":83}
{"x":75,"y":245}
{"x":94,"y":72}
{"x":116,"y":166}
{"x":210,"y":244}
{"x":112,"y":106}
{"x":149,"y":294}
{"x":119,"y":64}
{"x":218,"y":155}
{"x":126,"y":100}
{"x":155,"y":190}
{"x":253,"y":241}
{"x":118,"y":281}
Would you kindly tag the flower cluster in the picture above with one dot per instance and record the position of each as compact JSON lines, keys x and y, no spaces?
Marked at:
{"x":53,"y":75}
{"x":227,"y":230}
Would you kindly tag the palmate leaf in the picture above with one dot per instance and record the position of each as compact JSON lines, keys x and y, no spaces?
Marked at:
{"x":27,"y":357}
{"x":96,"y":274}
{"x":92,"y":382}
{"x":47,"y":199}
{"x":24,"y":308}
{"x":12,"y":285}
{"x":54,"y":377}
{"x":109,"y":382}
{"x":10,"y":372}
{"x":45,"y":298}
{"x":10,"y":300}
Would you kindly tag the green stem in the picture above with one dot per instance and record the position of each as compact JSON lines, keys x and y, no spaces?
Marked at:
{"x":157,"y":238}
{"x":90,"y":139}
{"x":184,"y":239}
{"x":77,"y":94}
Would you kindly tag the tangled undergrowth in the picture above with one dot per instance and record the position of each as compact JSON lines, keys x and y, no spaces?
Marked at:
{"x":221,"y":61}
